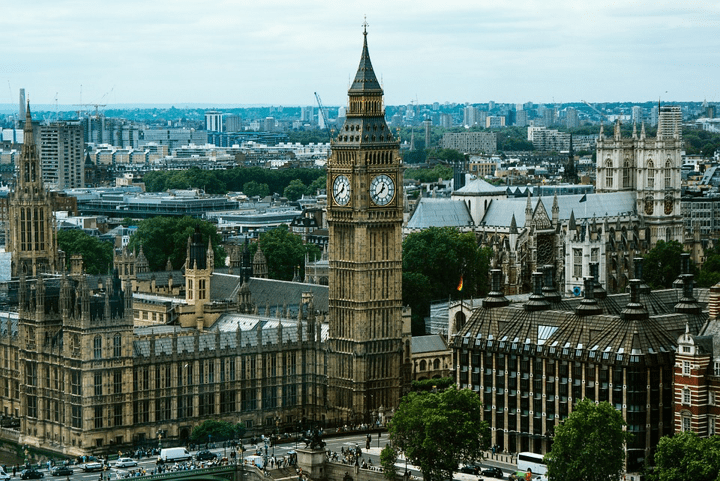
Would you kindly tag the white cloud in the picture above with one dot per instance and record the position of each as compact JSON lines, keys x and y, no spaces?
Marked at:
{"x":280,"y":52}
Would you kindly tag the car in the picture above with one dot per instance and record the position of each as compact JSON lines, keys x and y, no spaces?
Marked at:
{"x":125,"y":463}
{"x":31,"y":474}
{"x":205,"y":455}
{"x":61,"y":471}
{"x":493,"y":472}
{"x":470,"y":468}
{"x":95,"y":466}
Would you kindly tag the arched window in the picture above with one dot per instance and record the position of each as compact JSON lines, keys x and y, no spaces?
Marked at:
{"x":97,"y":347}
{"x":626,"y":174}
{"x":117,"y":345}
{"x":608,"y":174}
{"x":650,"y":175}
{"x":436,"y":364}
{"x":423,"y":365}
{"x":668,"y":175}
{"x":668,"y":234}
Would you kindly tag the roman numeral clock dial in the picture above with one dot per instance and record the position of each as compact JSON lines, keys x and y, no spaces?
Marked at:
{"x":382,"y":190}
{"x":341,"y":190}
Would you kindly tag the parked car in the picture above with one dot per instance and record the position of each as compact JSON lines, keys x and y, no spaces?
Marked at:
{"x":94,"y":466}
{"x":470,"y":468}
{"x":205,"y":455}
{"x":31,"y":474}
{"x":61,"y":471}
{"x":493,"y":473}
{"x":125,"y":463}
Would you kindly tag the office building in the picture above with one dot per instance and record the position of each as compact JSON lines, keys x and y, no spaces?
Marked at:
{"x":213,"y":121}
{"x":62,"y":150}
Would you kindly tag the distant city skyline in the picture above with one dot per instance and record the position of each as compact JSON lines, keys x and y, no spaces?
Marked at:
{"x":239,"y":53}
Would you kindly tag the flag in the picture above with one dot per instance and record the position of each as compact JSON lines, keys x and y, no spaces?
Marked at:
{"x":459,"y":288}
{"x":583,"y":198}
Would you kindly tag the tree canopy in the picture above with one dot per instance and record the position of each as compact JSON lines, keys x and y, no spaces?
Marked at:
{"x":430,"y":175}
{"x":97,"y":255}
{"x":284,"y":252}
{"x":685,"y":456}
{"x":164,"y":238}
{"x":223,"y":181}
{"x":434,"y":260}
{"x":709,"y":274}
{"x":662,"y":264}
{"x":439,"y":430}
{"x":589,"y":445}
{"x":219,"y":430}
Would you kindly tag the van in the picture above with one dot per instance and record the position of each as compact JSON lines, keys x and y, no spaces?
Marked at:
{"x":170,"y":455}
{"x":255,"y":460}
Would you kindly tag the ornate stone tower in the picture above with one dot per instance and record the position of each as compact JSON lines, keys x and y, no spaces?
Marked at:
{"x":649,"y":167}
{"x":364,"y":175}
{"x":31,"y":227}
{"x":198,"y":271}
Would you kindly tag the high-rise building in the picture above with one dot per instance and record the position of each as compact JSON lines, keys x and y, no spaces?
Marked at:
{"x":571,"y":118}
{"x":637,"y":114}
{"x":30,"y":232}
{"x":307,"y":114}
{"x":233,"y":123}
{"x":21,"y":112}
{"x":427,"y":124}
{"x":62,"y":148}
{"x":367,"y":351}
{"x":670,"y":121}
{"x":521,"y":118}
{"x":213,"y":121}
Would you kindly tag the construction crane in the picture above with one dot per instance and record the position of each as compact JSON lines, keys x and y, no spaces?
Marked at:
{"x":602,"y":115}
{"x":97,"y":107}
{"x":324,"y":115}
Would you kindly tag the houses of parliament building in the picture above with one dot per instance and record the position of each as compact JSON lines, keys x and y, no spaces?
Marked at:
{"x":93,"y":363}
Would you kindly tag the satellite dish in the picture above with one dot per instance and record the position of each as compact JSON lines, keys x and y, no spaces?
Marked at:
{"x":577,"y":291}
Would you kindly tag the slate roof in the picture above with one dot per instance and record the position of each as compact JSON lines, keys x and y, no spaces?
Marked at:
{"x":434,"y":212}
{"x":612,"y":204}
{"x":604,"y":337}
{"x":431,"y":343}
{"x":277,"y":293}
{"x":479,"y":186}
{"x":225,"y":333}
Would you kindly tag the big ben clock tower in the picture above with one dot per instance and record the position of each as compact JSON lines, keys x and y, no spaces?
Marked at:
{"x":364,"y":175}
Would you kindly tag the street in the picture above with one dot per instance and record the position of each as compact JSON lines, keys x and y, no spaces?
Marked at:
{"x":333,"y":444}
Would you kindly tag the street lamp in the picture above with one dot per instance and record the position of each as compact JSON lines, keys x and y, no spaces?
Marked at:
{"x":160,"y":434}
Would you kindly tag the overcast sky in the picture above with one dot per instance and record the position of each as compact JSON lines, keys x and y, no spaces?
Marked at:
{"x":279,"y":52}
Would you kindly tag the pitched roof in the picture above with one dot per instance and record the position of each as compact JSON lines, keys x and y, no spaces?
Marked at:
{"x":612,"y":204}
{"x":479,"y":186}
{"x":431,"y":343}
{"x":433,"y":212}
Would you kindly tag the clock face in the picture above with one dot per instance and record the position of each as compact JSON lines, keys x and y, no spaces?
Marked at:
{"x":341,"y":190}
{"x":382,"y":190}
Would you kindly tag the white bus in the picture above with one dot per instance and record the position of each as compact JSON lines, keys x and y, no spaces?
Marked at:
{"x":533,"y":462}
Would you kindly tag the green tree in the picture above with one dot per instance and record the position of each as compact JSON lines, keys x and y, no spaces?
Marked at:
{"x":439,"y":430}
{"x":709,"y":274}
{"x":97,"y":255}
{"x":318,"y":184}
{"x":164,"y":238}
{"x":294,"y":190}
{"x":388,"y":458}
{"x":219,"y":430}
{"x":284,"y":252}
{"x":254,"y":188}
{"x":662,"y":264}
{"x":434,"y":260}
{"x":685,"y":456}
{"x":589,"y":445}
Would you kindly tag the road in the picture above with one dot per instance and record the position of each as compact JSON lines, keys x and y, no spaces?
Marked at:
{"x":333,"y":444}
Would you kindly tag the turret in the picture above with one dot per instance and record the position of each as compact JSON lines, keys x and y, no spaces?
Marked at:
{"x":589,"y":305}
{"x":537,"y":301}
